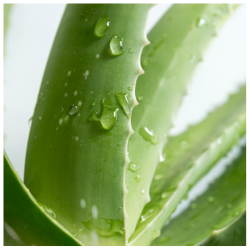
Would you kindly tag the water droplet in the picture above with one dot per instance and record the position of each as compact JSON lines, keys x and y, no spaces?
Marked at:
{"x":119,"y":144}
{"x":72,"y":110}
{"x":137,"y":178}
{"x":40,"y":117}
{"x":146,"y":215}
{"x":143,"y":191}
{"x":79,"y":103}
{"x":116,"y":45}
{"x":130,"y":50}
{"x":69,"y":73}
{"x":200,"y":22}
{"x":75,"y":92}
{"x":236,"y":214}
{"x":148,"y":135}
{"x":101,"y":26}
{"x":65,"y":94}
{"x":48,"y":210}
{"x":76,"y":138}
{"x":61,"y":109}
{"x":97,"y":56}
{"x":156,"y":233}
{"x":108,"y":117}
{"x":78,"y":114}
{"x":133,"y":167}
{"x":56,"y":128}
{"x":165,"y":194}
{"x":94,"y":212}
{"x":66,"y":84}
{"x":210,"y":199}
{"x":74,"y":234}
{"x":193,"y":205}
{"x":124,"y":101}
{"x":86,"y":74}
{"x":82,"y":203}
{"x":139,"y":98}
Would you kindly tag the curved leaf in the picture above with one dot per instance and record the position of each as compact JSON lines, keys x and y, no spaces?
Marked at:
{"x":211,"y":212}
{"x":27,"y":222}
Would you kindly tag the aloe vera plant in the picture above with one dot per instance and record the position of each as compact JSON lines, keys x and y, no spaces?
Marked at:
{"x":92,"y":171}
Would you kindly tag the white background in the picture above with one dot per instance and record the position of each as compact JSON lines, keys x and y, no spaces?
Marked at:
{"x":28,"y":42}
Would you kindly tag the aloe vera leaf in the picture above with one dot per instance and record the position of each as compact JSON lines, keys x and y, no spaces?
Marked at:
{"x":76,"y":155}
{"x":233,"y":234}
{"x":213,"y":211}
{"x":188,"y":157}
{"x":178,"y":42}
{"x":26,"y":221}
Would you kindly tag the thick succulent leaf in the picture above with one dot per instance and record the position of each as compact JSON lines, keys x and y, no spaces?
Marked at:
{"x":213,"y":213}
{"x":188,"y":157}
{"x":27,"y":222}
{"x":178,"y":42}
{"x":234,"y":234}
{"x":77,"y":148}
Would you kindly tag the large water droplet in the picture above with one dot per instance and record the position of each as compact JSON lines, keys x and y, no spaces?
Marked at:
{"x":124,"y":101}
{"x":61,"y":109}
{"x":72,"y":110}
{"x":116,"y":45}
{"x":200,"y":22}
{"x":148,"y":135}
{"x":133,"y":167}
{"x":108,"y":117}
{"x":101,"y":26}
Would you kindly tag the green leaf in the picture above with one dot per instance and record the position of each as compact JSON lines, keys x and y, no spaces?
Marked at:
{"x":212,"y":212}
{"x":26,"y":222}
{"x":177,"y":46}
{"x":234,"y":234}
{"x":77,"y":148}
{"x":188,"y":157}
{"x":171,"y":60}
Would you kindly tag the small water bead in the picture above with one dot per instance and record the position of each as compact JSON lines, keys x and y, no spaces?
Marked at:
{"x":61,"y":109}
{"x":129,"y":88}
{"x":146,"y":215}
{"x":65,"y":94}
{"x":119,"y":144}
{"x":86,"y":74}
{"x":40,"y":117}
{"x":80,"y":103}
{"x":130,"y":50}
{"x":137,"y":178}
{"x":48,"y":210}
{"x":145,"y":62}
{"x":76,"y":138}
{"x":72,"y":110}
{"x":75,"y":92}
{"x":97,"y":56}
{"x":116,"y":45}
{"x":143,"y":191}
{"x":133,"y":167}
{"x":139,"y":98}
{"x":82,"y":203}
{"x":74,"y":234}
{"x":66,"y":84}
{"x":200,"y":22}
{"x":148,"y":135}
{"x":210,"y":199}
{"x":95,"y":212}
{"x":101,"y":27}
{"x":124,"y":101}
{"x":56,"y":128}
{"x":69,"y":73}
